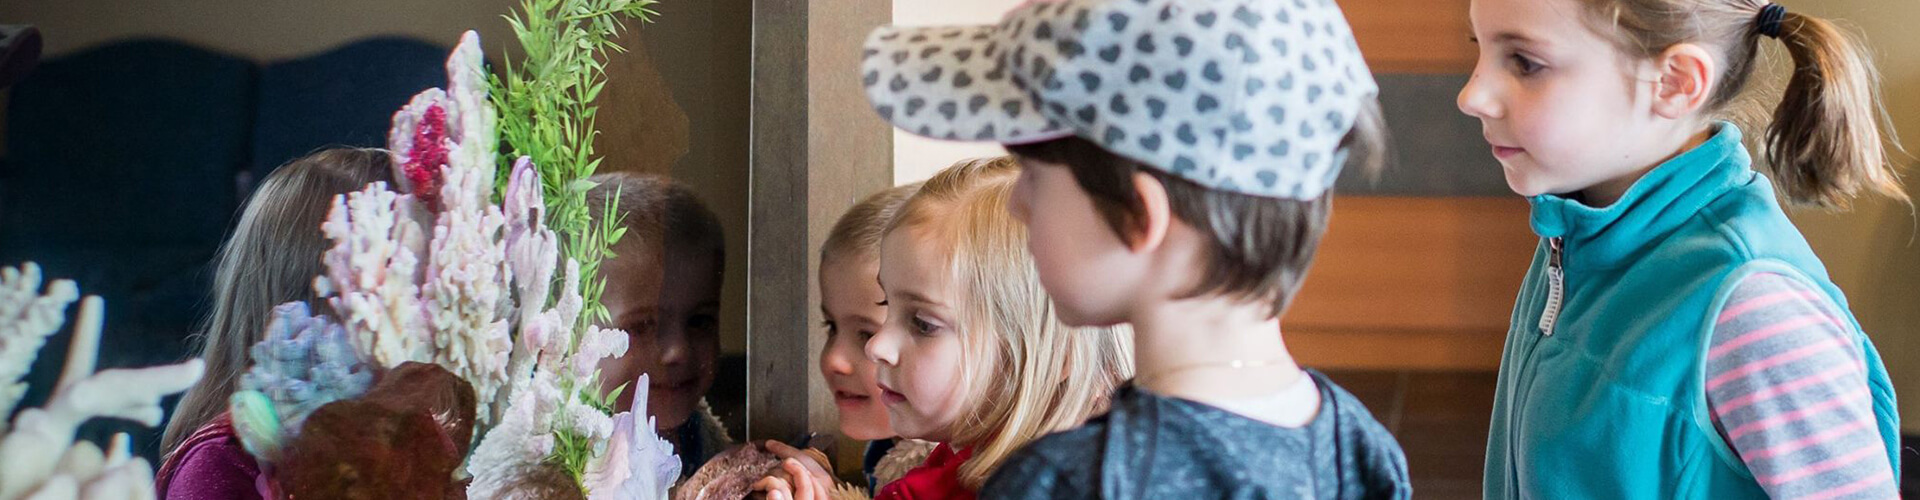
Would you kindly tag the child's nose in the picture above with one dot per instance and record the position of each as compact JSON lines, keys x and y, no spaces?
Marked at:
{"x":884,"y":348}
{"x":1476,"y":99}
{"x":672,"y":346}
{"x":835,"y":361}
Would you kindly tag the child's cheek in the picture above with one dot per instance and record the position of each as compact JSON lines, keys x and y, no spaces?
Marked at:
{"x":940,"y":380}
{"x":616,"y":372}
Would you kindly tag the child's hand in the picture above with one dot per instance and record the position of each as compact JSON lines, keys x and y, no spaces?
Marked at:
{"x":806,"y":478}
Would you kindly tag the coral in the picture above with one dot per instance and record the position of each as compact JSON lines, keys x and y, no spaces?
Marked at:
{"x":305,"y":361}
{"x":82,"y":470}
{"x":637,"y":463}
{"x":371,"y":280}
{"x":27,"y":318}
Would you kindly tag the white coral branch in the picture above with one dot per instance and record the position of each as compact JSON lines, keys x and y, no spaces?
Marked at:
{"x":27,"y":318}
{"x":371,"y":275}
{"x":83,"y":471}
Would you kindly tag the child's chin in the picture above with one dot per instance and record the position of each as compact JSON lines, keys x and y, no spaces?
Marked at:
{"x":670,"y":415}
{"x":1523,"y":186}
{"x":865,"y":427}
{"x":911,"y":428}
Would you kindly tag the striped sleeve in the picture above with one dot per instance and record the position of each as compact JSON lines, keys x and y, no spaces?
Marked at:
{"x":1787,"y":385}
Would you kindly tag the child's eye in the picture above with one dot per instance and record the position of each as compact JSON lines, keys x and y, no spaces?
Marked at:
{"x":831,"y":328}
{"x":1525,"y":66}
{"x":703,"y":323}
{"x":922,"y":327}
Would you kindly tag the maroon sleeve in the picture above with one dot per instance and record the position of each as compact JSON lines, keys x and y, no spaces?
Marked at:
{"x":210,"y":465}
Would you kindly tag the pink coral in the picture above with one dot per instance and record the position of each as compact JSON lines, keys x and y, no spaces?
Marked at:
{"x":428,"y":157}
{"x":421,"y":145}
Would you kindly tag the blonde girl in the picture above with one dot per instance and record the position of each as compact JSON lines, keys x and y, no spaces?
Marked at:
{"x":850,"y":300}
{"x":851,"y":303}
{"x":971,"y":354}
{"x":1676,"y":337}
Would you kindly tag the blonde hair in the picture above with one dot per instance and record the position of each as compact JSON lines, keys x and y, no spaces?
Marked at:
{"x":1824,"y":145}
{"x":1060,"y":375}
{"x":858,"y":232}
{"x":271,"y":259}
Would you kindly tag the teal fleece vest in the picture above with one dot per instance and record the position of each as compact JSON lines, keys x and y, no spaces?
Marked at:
{"x":1602,"y":388}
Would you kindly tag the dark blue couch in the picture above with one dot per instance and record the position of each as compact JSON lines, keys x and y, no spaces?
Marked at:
{"x":126,"y":166}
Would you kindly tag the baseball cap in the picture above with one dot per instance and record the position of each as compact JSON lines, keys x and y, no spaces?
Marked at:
{"x":1247,"y":96}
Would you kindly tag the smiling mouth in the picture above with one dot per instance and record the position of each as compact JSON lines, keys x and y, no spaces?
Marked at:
{"x":681,"y":386}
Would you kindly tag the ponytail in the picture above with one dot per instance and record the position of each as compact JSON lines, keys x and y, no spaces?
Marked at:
{"x":1824,"y":146}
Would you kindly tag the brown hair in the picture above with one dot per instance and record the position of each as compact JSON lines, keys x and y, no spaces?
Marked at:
{"x":1030,"y":374}
{"x":858,"y":232}
{"x":655,"y":210}
{"x":271,"y":259}
{"x":1824,"y":144}
{"x":1259,"y":247}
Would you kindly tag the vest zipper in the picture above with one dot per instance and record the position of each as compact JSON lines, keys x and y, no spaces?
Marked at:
{"x":1556,"y":279}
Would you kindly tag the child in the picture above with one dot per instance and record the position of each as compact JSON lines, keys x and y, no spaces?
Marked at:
{"x":1676,"y":337}
{"x":851,"y":302}
{"x":971,"y":355}
{"x":271,"y":259}
{"x":663,"y":288}
{"x":850,"y":298}
{"x":1177,"y":158}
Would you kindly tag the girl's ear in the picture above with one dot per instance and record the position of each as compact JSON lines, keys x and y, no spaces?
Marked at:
{"x":1149,"y":228}
{"x":1688,"y":74}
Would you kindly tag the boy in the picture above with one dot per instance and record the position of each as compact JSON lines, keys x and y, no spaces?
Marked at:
{"x":1177,"y":160}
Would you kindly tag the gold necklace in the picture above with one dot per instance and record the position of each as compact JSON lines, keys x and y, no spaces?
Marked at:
{"x":1237,"y":364}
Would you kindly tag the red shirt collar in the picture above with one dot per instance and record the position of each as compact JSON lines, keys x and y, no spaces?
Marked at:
{"x":936,"y":479}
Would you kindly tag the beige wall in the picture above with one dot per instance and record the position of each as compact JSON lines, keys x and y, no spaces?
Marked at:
{"x":676,"y":102}
{"x":1872,"y":251}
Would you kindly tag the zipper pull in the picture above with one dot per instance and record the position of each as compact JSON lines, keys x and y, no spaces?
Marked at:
{"x":1556,"y":279}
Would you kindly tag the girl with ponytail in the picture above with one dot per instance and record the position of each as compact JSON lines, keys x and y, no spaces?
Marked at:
{"x":1676,"y":337}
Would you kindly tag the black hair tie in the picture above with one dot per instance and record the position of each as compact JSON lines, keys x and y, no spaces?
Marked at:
{"x":1769,"y":21}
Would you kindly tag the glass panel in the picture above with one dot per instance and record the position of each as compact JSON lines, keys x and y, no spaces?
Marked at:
{"x":133,"y":149}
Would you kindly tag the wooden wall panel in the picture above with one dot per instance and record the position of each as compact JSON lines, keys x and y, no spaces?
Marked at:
{"x":1397,"y":351}
{"x":816,"y":148}
{"x":1404,"y":282}
{"x":1413,"y":36}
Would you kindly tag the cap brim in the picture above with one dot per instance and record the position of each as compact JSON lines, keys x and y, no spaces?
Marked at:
{"x":951,"y":83}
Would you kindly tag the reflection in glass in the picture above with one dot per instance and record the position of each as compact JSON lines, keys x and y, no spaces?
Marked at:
{"x":663,"y":288}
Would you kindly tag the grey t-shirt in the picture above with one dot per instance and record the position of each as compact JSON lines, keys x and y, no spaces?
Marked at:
{"x":1152,"y":447}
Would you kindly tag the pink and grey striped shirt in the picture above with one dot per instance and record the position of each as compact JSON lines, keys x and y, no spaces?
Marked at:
{"x":1788,"y":387}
